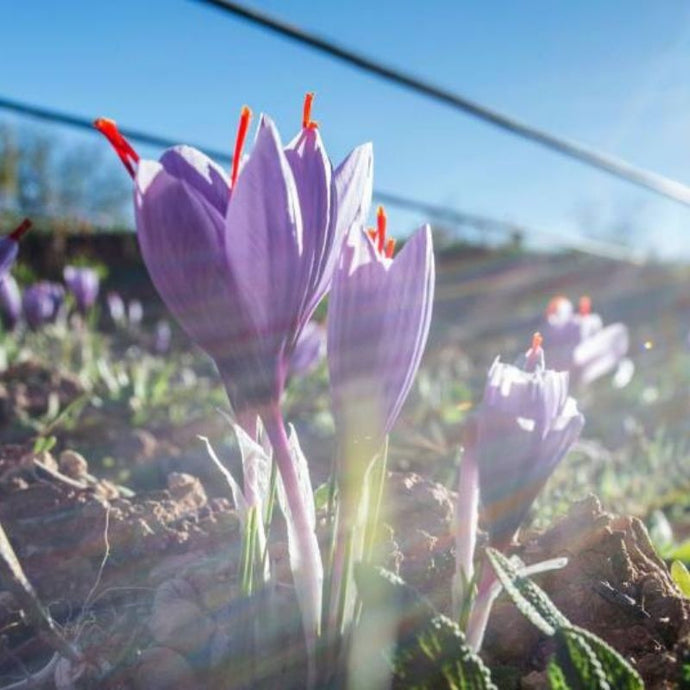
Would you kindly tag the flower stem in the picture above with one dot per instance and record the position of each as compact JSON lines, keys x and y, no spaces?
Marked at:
{"x":481,"y":608}
{"x":305,"y":557}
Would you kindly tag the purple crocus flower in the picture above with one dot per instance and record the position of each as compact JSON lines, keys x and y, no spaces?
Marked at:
{"x":116,"y":308}
{"x":241,"y":262}
{"x":579,"y":343}
{"x":135,"y":313}
{"x":525,"y":425}
{"x":310,"y":350}
{"x":10,"y":302}
{"x":83,"y":283}
{"x":378,"y":323}
{"x":9,"y":246}
{"x":41,"y":303}
{"x":162,"y":337}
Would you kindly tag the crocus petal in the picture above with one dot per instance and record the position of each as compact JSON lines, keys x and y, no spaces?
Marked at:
{"x":190,"y":165}
{"x":407,"y":317}
{"x":315,"y":184}
{"x":263,"y":243}
{"x":309,"y":351}
{"x":354,"y":180}
{"x":179,"y":233}
{"x":599,"y":354}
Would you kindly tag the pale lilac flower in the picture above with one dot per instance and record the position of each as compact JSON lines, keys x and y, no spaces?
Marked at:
{"x":116,"y":308}
{"x":83,"y":282}
{"x":525,"y":424}
{"x":41,"y":303}
{"x":162,"y":337}
{"x":10,"y":302}
{"x":135,"y":313}
{"x":309,"y":351}
{"x":579,"y":343}
{"x":9,"y":246}
{"x":378,"y":323}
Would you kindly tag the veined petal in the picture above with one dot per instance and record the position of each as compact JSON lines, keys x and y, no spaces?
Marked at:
{"x":407,"y":317}
{"x":263,"y":241}
{"x":180,"y":235}
{"x":354,"y":180}
{"x":378,"y":324}
{"x":315,"y":184}
{"x":190,"y":165}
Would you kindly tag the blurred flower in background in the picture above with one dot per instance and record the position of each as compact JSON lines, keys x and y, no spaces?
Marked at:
{"x":578,"y":342}
{"x":41,"y":303}
{"x":10,"y":302}
{"x":83,"y":282}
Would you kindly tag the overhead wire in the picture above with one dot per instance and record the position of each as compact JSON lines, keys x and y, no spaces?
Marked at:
{"x":613,"y":165}
{"x":432,"y":211}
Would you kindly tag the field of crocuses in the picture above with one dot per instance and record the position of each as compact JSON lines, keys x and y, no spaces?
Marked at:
{"x":337,"y":461}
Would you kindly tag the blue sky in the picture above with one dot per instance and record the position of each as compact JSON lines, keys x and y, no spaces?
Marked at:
{"x":612,"y":75}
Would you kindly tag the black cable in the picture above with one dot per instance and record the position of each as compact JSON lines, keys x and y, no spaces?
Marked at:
{"x":432,"y":211}
{"x":615,"y":166}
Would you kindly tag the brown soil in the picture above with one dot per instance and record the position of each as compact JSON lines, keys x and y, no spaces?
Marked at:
{"x":146,"y":585}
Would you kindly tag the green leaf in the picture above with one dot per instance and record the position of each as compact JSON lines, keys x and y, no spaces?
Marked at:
{"x":556,"y":676}
{"x":679,"y":553}
{"x":321,"y":495}
{"x":430,"y":650}
{"x":681,"y":577}
{"x":530,"y":599}
{"x":585,"y":662}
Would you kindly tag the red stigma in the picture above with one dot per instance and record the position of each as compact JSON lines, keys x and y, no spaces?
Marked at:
{"x":385,"y":246}
{"x":122,"y":147}
{"x":390,"y":247}
{"x":307,"y":122}
{"x":555,"y":304}
{"x":242,"y":128}
{"x":381,"y":222}
{"x":20,"y":230}
{"x":585,"y":305}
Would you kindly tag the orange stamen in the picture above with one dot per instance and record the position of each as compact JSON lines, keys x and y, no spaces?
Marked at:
{"x":242,"y":128}
{"x":372,"y":233}
{"x":122,"y":147}
{"x":381,"y":221}
{"x":390,"y":247}
{"x":554,"y":304}
{"x":17,"y":233}
{"x":532,"y":355}
{"x":307,"y":122}
{"x":537,"y":340}
{"x":585,"y":306}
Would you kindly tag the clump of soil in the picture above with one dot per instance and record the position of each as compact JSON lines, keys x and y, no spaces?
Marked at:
{"x":614,"y":585}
